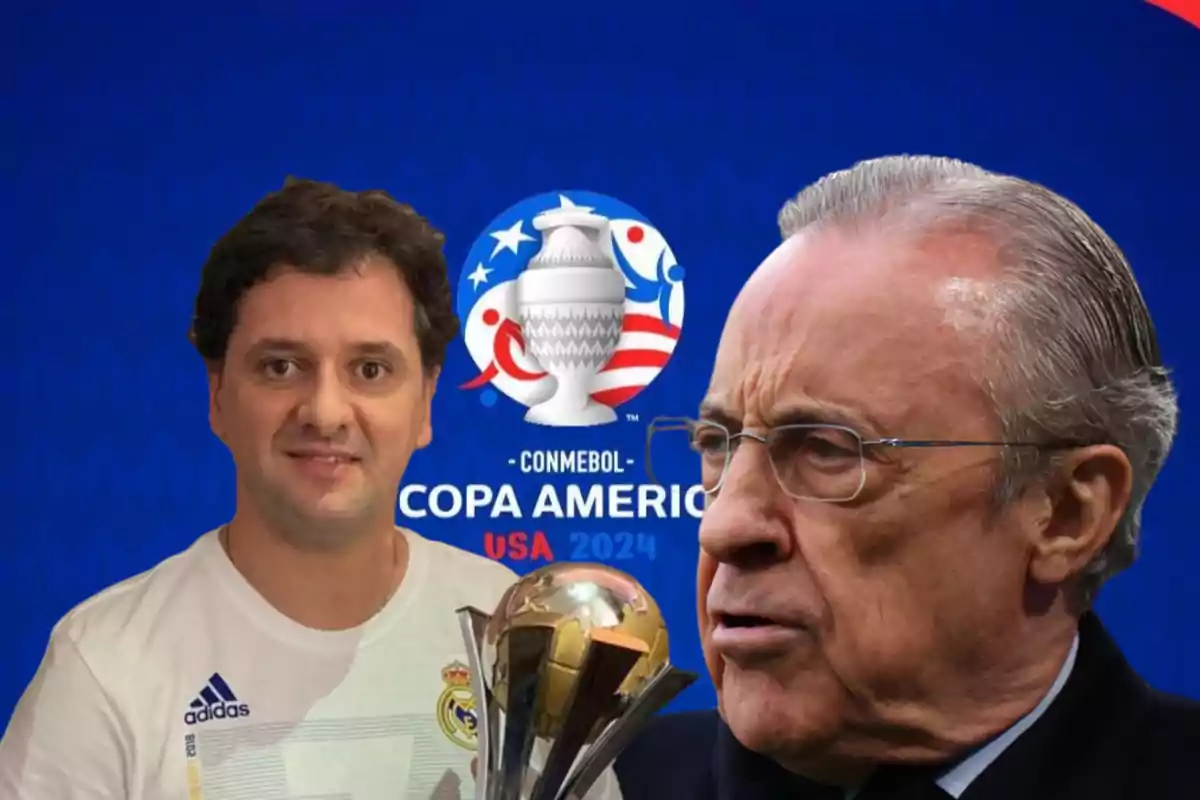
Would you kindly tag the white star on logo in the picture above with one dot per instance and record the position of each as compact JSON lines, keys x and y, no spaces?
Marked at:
{"x":478,"y":276}
{"x":510,"y":239}
{"x":566,"y":202}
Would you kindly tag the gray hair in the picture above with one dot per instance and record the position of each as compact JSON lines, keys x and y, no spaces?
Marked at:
{"x":1080,"y":355}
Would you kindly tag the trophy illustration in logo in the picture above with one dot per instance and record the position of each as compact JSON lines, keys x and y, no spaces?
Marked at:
{"x":571,"y":302}
{"x":566,"y":672}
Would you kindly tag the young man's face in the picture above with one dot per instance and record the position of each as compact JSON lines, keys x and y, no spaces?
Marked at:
{"x":322,"y":399}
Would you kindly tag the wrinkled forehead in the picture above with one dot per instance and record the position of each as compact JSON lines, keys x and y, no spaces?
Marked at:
{"x":870,"y":331}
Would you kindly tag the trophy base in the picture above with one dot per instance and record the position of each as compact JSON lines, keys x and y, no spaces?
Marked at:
{"x":560,"y":415}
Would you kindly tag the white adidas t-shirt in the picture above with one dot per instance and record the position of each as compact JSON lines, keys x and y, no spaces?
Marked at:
{"x":184,"y":683}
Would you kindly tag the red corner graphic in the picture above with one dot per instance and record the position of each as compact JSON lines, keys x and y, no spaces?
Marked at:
{"x":1184,"y":9}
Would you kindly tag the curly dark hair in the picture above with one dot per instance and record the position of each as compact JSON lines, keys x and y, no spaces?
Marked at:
{"x":321,"y":229}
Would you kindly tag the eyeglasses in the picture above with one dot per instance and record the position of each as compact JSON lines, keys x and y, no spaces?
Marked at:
{"x":811,"y":462}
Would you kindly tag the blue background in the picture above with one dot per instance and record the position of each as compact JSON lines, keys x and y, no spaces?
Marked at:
{"x":135,"y":136}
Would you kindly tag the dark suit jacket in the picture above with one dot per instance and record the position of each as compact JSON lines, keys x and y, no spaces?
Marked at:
{"x":1107,"y":736}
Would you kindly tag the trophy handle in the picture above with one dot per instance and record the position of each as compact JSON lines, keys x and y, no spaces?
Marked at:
{"x":528,"y":647}
{"x":472,"y":622}
{"x":609,"y":657}
{"x":661,"y":689}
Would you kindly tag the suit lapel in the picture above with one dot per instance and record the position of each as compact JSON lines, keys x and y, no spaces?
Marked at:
{"x":1058,"y":757}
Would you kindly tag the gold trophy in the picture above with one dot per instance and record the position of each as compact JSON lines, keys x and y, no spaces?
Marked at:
{"x":574,"y":662}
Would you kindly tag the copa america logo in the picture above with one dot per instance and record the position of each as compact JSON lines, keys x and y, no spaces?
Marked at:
{"x":573,"y":304}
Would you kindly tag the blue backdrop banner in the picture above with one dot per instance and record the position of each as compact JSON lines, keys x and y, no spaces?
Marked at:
{"x":135,"y":136}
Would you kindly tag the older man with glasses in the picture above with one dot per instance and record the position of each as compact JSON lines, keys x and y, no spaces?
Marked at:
{"x":935,"y":414}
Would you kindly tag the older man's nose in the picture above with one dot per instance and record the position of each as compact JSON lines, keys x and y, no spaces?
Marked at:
{"x":745,"y":522}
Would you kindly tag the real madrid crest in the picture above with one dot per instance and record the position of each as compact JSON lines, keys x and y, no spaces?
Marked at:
{"x":456,"y":706}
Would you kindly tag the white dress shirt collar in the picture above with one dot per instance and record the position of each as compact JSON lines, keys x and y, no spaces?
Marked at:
{"x":956,"y":781}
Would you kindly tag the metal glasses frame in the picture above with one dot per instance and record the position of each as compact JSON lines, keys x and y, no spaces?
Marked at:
{"x":688,"y":424}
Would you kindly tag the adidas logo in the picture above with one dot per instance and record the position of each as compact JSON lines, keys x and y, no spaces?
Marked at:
{"x":215,"y":701}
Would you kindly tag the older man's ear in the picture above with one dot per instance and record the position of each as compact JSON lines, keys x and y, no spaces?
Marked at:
{"x":1084,"y":505}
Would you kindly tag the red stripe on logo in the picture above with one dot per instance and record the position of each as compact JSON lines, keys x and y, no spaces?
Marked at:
{"x":623,"y":359}
{"x":614,"y":397}
{"x":644,"y":323}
